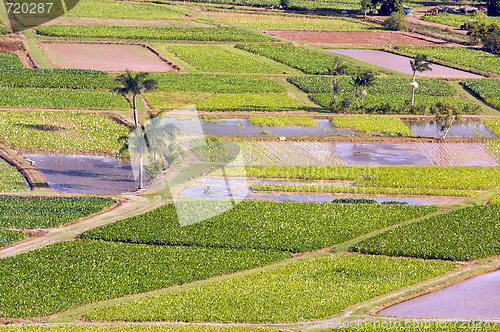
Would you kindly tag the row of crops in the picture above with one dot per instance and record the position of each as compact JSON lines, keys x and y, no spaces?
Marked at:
{"x":127,"y":328}
{"x":463,"y":178}
{"x":220,"y":34}
{"x":12,"y":180}
{"x":291,"y":226}
{"x":62,"y":131}
{"x":460,"y":57}
{"x":486,"y":89}
{"x":308,"y":290}
{"x":22,"y":212}
{"x":385,"y":125}
{"x":8,"y":237}
{"x":282,"y":121}
{"x":457,"y":21}
{"x":462,"y":235}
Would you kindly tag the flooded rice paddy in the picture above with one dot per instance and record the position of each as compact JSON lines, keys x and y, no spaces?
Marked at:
{"x":85,"y":174}
{"x":475,"y":298}
{"x":402,"y":63}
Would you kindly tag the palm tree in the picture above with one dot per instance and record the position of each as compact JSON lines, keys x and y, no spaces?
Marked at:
{"x":133,"y":85}
{"x":366,"y":79}
{"x":420,"y":64}
{"x":356,"y":82}
{"x":338,"y":68}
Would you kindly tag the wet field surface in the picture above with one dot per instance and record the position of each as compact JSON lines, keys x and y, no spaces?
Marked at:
{"x":402,"y":63}
{"x":476,"y":298}
{"x":85,"y":174}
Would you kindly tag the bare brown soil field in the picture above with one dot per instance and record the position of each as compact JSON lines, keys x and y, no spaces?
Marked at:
{"x":104,"y":56}
{"x":63,"y":20}
{"x":385,"y":38}
{"x":9,"y":47}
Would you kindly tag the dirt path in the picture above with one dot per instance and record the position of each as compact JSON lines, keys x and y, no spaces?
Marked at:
{"x":128,"y":207}
{"x":416,"y":18}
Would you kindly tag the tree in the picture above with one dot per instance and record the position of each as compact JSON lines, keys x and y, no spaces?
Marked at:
{"x":396,"y":22}
{"x":366,"y":79}
{"x":491,"y":42}
{"x":361,"y":80}
{"x":356,"y":82}
{"x":420,"y":64}
{"x":493,"y":7}
{"x":366,"y":5}
{"x":388,"y":6}
{"x":444,"y":116}
{"x":133,"y":85}
{"x":337,"y":68}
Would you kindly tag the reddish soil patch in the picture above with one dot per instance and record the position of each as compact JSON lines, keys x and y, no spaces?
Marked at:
{"x":107,"y":57}
{"x":350,"y":37}
{"x":9,"y":47}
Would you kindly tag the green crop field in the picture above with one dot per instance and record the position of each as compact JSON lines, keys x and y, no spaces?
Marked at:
{"x":225,"y":101}
{"x":12,"y":180}
{"x":287,"y":22}
{"x":61,"y":99}
{"x":127,"y":328}
{"x":294,"y":227}
{"x":385,"y":125}
{"x":8,"y":237}
{"x":91,"y":271}
{"x":492,"y":124}
{"x":318,"y":84}
{"x":221,"y":34}
{"x":309,"y":290}
{"x":464,"y":57}
{"x":457,"y":20}
{"x":61,"y":131}
{"x":10,"y":60}
{"x":282,"y":121}
{"x":56,"y":78}
{"x":216,"y":83}
{"x":22,"y":212}
{"x":215,"y":59}
{"x":486,"y":89}
{"x":464,"y":178}
{"x":462,"y":235}
{"x":128,"y":10}
{"x":305,"y":61}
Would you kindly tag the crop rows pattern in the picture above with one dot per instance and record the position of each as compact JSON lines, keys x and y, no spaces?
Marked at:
{"x":282,"y":121}
{"x":385,"y":125}
{"x":309,"y":290}
{"x":12,"y":180}
{"x":486,"y":89}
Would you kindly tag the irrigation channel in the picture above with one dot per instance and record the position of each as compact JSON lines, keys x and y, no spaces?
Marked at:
{"x":401,"y":63}
{"x":474,"y":298}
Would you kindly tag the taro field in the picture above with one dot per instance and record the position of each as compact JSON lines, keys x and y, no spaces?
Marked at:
{"x":350,"y":200}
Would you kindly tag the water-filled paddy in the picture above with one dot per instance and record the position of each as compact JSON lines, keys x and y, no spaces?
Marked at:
{"x":402,"y":63}
{"x":85,"y":174}
{"x":475,"y":298}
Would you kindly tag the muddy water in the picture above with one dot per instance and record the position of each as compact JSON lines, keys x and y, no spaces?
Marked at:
{"x":218,"y":190}
{"x":85,"y":174}
{"x":475,"y":298}
{"x":466,"y":128}
{"x":402,"y":63}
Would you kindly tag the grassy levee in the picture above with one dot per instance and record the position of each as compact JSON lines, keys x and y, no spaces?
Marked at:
{"x":36,"y":52}
{"x":160,"y":47}
{"x":300,"y":95}
{"x":469,"y":96}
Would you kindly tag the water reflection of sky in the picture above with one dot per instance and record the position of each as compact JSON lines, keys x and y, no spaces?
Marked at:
{"x":218,"y":190}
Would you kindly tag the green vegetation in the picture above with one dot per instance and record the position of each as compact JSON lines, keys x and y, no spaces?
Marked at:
{"x":492,"y":124}
{"x":60,"y":98}
{"x":215,"y":59}
{"x":289,"y":226}
{"x":395,"y":103}
{"x":12,"y":180}
{"x":318,"y":84}
{"x":213,"y":150}
{"x":457,"y":20}
{"x":464,"y":57}
{"x":85,"y":272}
{"x":385,"y":125}
{"x":464,"y":178}
{"x":305,"y":61}
{"x":486,"y":89}
{"x":215,"y":83}
{"x":8,"y":237}
{"x":287,"y":22}
{"x":151,"y":33}
{"x":354,"y":201}
{"x":364,"y":190}
{"x":283,"y":121}
{"x":24,"y":212}
{"x":130,"y":10}
{"x":10,"y":60}
{"x":61,"y":131}
{"x":127,"y":328}
{"x":56,"y":78}
{"x":352,"y":6}
{"x":312,"y":289}
{"x":228,"y":102}
{"x":462,"y":235}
